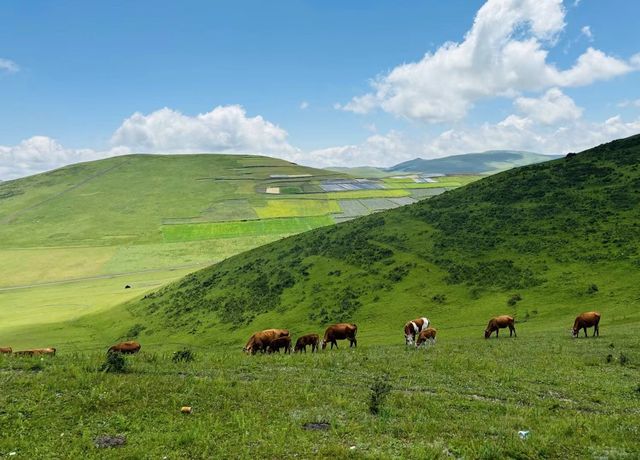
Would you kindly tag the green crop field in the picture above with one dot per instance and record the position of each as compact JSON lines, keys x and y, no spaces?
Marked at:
{"x":287,"y":225}
{"x":297,"y":208}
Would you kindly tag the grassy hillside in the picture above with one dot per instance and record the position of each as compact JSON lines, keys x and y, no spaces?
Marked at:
{"x":71,"y":239}
{"x":489,"y":162}
{"x":539,"y":242}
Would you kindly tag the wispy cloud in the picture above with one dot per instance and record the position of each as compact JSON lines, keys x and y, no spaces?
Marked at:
{"x":6,"y":65}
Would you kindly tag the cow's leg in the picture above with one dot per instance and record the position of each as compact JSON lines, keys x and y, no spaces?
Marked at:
{"x":355,"y":342}
{"x":585,"y":331}
{"x":497,"y":333}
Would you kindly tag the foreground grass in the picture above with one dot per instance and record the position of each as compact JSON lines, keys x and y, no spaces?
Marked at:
{"x":461,"y":398}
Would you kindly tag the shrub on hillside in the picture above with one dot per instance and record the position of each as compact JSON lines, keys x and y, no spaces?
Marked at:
{"x":115,"y":362}
{"x":185,"y":355}
{"x":380,"y":388}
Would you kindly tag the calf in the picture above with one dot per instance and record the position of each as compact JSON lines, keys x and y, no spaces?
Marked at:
{"x":412,"y":328}
{"x":428,"y":334}
{"x":280,"y":342}
{"x":6,"y":350}
{"x":309,"y":339}
{"x":36,"y":352}
{"x":260,"y":340}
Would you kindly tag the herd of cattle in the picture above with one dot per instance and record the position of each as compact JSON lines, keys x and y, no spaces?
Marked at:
{"x":417,"y":331}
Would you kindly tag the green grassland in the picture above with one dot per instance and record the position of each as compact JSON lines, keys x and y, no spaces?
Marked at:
{"x":541,"y":242}
{"x":129,"y":215}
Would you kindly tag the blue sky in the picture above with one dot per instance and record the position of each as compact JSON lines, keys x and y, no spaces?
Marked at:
{"x":318,"y":82}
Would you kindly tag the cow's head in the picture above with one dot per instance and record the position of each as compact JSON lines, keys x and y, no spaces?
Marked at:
{"x":408,"y":339}
{"x":574,"y":332}
{"x":324,"y":344}
{"x":487,"y":333}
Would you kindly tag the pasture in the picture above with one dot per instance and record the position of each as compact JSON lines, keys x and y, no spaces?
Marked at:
{"x":463,"y":397}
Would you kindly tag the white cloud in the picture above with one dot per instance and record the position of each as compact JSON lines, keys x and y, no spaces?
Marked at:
{"x":304,"y":105}
{"x":586,"y":31}
{"x":41,"y":153}
{"x":380,"y":150}
{"x":553,"y":107}
{"x":628,"y":103}
{"x":504,"y":53}
{"x":224,"y":129}
{"x":521,"y":133}
{"x":9,"y":66}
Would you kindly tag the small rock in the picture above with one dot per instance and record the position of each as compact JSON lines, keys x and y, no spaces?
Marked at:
{"x":523,"y":434}
{"x":352,"y":448}
{"x":316,"y":426}
{"x":186,"y":410}
{"x":110,"y":441}
{"x":11,"y":454}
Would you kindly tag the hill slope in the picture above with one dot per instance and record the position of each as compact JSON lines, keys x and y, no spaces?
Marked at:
{"x":538,"y":242}
{"x":489,"y":162}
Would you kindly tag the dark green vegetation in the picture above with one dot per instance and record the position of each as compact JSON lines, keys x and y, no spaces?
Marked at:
{"x":529,"y":242}
{"x":472,"y":163}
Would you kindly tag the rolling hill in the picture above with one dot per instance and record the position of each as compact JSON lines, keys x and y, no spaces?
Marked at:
{"x":489,"y":162}
{"x":539,"y":242}
{"x":71,"y":239}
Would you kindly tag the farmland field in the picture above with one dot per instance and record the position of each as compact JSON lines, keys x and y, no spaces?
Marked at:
{"x":131,"y":215}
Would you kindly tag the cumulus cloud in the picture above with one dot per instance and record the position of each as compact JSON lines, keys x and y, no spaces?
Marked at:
{"x":378,"y":149}
{"x":42,"y":153}
{"x":629,"y":103}
{"x":9,"y":66}
{"x":224,"y":129}
{"x":504,"y":53}
{"x":522,"y":133}
{"x":553,"y":107}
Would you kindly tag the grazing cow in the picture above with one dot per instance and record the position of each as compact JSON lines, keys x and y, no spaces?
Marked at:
{"x":6,"y":350}
{"x":309,"y":339}
{"x":413,"y":328}
{"x":340,"y":332}
{"x":260,"y":340}
{"x":36,"y":352}
{"x":428,"y":334}
{"x":280,"y":342}
{"x":126,"y":348}
{"x":500,"y":322}
{"x":585,"y":320}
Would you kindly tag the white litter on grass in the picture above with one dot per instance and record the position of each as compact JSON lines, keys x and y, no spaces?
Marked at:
{"x":523,"y":434}
{"x":352,"y":448}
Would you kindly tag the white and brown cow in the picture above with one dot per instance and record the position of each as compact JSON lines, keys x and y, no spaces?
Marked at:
{"x":413,"y":328}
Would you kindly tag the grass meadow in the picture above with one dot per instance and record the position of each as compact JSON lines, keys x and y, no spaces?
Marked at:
{"x":462,"y":398}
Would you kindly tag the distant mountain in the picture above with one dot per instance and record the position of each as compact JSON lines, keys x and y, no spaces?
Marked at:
{"x":489,"y":162}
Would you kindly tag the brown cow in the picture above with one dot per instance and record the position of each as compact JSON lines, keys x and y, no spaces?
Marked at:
{"x":36,"y":352}
{"x":280,"y":342}
{"x":309,"y":339}
{"x":260,"y":340}
{"x":500,"y":322}
{"x":413,"y":328}
{"x":340,"y":332}
{"x":6,"y":350}
{"x":127,"y":348}
{"x":428,"y":334}
{"x":585,"y":320}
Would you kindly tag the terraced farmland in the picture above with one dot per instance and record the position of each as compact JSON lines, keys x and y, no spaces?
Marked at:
{"x":85,"y":231}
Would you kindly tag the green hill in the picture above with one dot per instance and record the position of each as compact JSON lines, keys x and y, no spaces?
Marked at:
{"x":539,"y":242}
{"x":489,"y":162}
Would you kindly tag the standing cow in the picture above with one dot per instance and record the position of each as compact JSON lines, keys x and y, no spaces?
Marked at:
{"x":260,"y":340}
{"x":428,"y":334}
{"x":309,"y":339}
{"x":126,"y":348}
{"x":340,"y":332}
{"x":413,"y":328}
{"x":500,"y":322}
{"x":7,"y":350}
{"x":585,"y":320}
{"x":280,"y":342}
